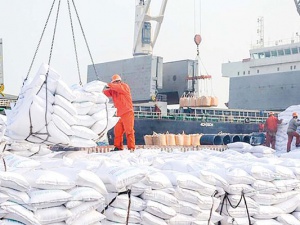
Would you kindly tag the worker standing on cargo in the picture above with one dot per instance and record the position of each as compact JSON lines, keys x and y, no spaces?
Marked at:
{"x":292,"y":131}
{"x":270,"y":126}
{"x":121,"y":96}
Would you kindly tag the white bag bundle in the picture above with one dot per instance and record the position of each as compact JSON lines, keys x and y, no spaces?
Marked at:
{"x":122,"y":177}
{"x":122,"y":201}
{"x":191,"y":182}
{"x":52,"y":215}
{"x":186,"y":208}
{"x":194,"y":197}
{"x":160,"y":210}
{"x":157,"y":180}
{"x":148,"y":218}
{"x":94,"y":86}
{"x":40,"y":198}
{"x":120,"y":215}
{"x":91,"y":217}
{"x":184,"y":219}
{"x":14,"y":180}
{"x":264,"y":187}
{"x":84,"y":208}
{"x":267,"y":212}
{"x":288,"y":219}
{"x":228,"y":220}
{"x":160,"y":196}
{"x":85,"y":194}
{"x":47,"y":179}
{"x":19,"y":213}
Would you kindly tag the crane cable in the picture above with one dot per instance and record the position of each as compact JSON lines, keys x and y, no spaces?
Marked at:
{"x":85,"y":40}
{"x":74,"y":42}
{"x":198,"y":58}
{"x":39,"y":43}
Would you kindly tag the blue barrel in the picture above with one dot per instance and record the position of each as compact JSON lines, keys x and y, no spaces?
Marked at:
{"x":211,"y":139}
{"x":247,"y":138}
{"x":225,"y":139}
{"x":235,"y":138}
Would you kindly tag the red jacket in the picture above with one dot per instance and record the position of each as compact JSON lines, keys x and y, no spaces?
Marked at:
{"x":121,"y":96}
{"x":271,"y":124}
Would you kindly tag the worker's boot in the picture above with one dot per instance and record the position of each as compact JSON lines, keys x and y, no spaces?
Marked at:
{"x":116,"y":149}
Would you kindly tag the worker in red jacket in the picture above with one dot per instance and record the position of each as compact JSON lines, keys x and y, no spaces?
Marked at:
{"x":121,"y":96}
{"x":271,"y":125}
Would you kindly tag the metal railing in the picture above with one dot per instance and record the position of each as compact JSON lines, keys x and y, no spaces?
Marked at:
{"x":199,"y":117}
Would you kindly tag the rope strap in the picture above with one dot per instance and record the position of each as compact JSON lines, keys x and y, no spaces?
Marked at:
{"x":234,"y":207}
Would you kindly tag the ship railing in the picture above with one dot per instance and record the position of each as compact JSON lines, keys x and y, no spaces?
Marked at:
{"x":199,"y":117}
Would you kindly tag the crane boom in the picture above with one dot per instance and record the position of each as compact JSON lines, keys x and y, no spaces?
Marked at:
{"x":297,"y":3}
{"x":143,"y":40}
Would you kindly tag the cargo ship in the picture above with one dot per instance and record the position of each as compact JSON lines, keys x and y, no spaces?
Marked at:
{"x":154,"y":82}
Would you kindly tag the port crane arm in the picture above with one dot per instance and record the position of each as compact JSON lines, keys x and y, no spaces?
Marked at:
{"x":143,"y":40}
{"x":297,"y":3}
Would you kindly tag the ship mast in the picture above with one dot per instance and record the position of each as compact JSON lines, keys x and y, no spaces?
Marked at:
{"x":260,"y":32}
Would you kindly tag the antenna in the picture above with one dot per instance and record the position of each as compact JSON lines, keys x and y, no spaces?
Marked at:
{"x":260,"y":31}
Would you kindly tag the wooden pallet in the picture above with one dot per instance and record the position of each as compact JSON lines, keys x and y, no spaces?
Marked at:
{"x":104,"y":149}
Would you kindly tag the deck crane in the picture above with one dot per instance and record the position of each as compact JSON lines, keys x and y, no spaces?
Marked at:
{"x":297,"y":3}
{"x":143,"y":40}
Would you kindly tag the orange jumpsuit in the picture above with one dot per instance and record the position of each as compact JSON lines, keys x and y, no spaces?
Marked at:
{"x":121,"y":96}
{"x":271,"y":129}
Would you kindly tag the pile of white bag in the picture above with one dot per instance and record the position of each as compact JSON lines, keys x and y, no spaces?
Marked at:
{"x":281,"y":136}
{"x":49,"y":112}
{"x":237,"y":186}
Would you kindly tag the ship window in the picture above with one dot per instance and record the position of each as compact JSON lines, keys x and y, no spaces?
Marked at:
{"x":274,"y":53}
{"x":261,"y":55}
{"x":277,"y":68}
{"x":291,"y":67}
{"x":254,"y":56}
{"x":287,"y":51}
{"x":294,"y":50}
{"x":294,"y":67}
{"x":257,"y":71}
{"x":267,"y":54}
{"x":238,"y":73}
{"x":243,"y":72}
{"x":248,"y":71}
{"x":280,"y":52}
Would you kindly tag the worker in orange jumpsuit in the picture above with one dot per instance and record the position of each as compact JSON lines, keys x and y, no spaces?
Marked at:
{"x":121,"y":96}
{"x":270,"y":126}
{"x":292,"y":131}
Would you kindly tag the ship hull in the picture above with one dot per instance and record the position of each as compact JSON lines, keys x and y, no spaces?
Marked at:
{"x":148,"y":126}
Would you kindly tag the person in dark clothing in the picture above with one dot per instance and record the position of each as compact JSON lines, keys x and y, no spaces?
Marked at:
{"x":292,"y":131}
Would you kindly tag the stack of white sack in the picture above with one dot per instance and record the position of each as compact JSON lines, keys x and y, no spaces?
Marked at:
{"x":275,"y":188}
{"x":49,"y":112}
{"x":194,"y":187}
{"x":26,"y":149}
{"x":281,"y":136}
{"x":49,"y":190}
{"x":259,"y":151}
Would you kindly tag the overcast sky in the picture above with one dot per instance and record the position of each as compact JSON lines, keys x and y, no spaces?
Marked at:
{"x":228,"y":28}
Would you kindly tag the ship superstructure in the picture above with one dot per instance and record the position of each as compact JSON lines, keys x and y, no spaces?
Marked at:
{"x":268,"y":80}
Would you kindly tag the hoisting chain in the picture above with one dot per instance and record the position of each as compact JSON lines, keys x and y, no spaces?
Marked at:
{"x":39,"y":42}
{"x":74,"y":42}
{"x":85,"y":40}
{"x":46,"y":83}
